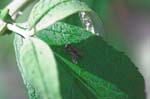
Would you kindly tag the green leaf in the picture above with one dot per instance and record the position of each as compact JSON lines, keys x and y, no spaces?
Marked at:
{"x":102,"y":60}
{"x":39,"y":68}
{"x":47,"y":12}
{"x":99,"y":87}
{"x":93,"y":83}
{"x":62,"y":34}
{"x":18,"y":43}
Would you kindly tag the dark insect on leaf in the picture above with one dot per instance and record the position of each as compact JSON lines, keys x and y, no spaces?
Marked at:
{"x":74,"y":53}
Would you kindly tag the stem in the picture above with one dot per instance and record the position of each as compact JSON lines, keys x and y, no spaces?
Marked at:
{"x":16,"y":29}
{"x":13,"y":7}
{"x":16,"y":5}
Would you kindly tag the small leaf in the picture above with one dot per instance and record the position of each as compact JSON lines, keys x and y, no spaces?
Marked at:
{"x":4,"y":15}
{"x":99,"y":87}
{"x":47,"y":12}
{"x":18,"y":43}
{"x":40,"y":69}
{"x":61,"y":34}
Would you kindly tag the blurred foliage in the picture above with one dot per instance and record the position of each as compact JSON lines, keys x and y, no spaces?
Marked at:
{"x":4,"y":3}
{"x":3,"y":50}
{"x":9,"y":74}
{"x":138,"y":4}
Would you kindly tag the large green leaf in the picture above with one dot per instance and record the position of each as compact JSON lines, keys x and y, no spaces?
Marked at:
{"x":47,"y":12}
{"x":99,"y":87}
{"x":32,"y":55}
{"x":61,"y":34}
{"x":101,"y":59}
{"x":39,"y":69}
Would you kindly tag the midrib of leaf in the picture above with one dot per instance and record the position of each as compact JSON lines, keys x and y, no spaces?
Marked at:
{"x":47,"y":11}
{"x":39,"y":69}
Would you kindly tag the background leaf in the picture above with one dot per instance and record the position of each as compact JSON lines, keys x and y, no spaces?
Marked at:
{"x":43,"y":15}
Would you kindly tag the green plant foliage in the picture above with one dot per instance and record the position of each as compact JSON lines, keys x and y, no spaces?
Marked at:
{"x":106,"y":62}
{"x":18,"y":42}
{"x":101,"y":72}
{"x":41,"y":76}
{"x":37,"y":75}
{"x":4,"y":3}
{"x":96,"y":58}
{"x":99,"y":87}
{"x":43,"y":15}
{"x":4,"y":15}
{"x":62,"y":34}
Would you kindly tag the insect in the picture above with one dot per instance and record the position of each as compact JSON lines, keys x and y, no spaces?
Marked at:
{"x":74,"y":52}
{"x":4,"y":15}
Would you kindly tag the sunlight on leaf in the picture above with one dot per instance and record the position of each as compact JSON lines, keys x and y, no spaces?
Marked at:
{"x":61,"y":34}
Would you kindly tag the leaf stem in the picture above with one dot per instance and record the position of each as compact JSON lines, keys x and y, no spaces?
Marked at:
{"x":16,"y":29}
